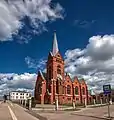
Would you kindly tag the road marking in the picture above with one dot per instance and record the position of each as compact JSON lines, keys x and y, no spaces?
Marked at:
{"x":11,"y":104}
{"x":12,"y":113}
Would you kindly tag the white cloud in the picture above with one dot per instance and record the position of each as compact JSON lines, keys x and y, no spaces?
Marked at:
{"x":101,"y":48}
{"x":95,"y":62}
{"x":9,"y":82}
{"x":38,"y":13}
{"x":35,"y":63}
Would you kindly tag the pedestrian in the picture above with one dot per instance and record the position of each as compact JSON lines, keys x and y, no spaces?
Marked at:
{"x":5,"y":98}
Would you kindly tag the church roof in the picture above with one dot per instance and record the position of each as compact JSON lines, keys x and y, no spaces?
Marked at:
{"x":50,"y":53}
{"x":55,"y":45}
{"x":42,"y":75}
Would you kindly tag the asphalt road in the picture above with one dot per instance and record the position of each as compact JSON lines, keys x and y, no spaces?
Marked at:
{"x":96,"y":113}
{"x":10,"y":111}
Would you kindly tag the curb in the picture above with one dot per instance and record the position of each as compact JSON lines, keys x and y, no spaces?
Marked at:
{"x":36,"y":115}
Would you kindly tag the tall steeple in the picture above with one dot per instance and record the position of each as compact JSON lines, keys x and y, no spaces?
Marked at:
{"x":55,"y":45}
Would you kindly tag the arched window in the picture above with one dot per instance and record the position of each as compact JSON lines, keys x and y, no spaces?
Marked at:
{"x":40,"y":89}
{"x":76,"y":90}
{"x":49,"y":90}
{"x":49,"y":73}
{"x":57,"y":87}
{"x":63,"y":88}
{"x":68,"y":89}
{"x":59,"y":69}
{"x":83,"y":91}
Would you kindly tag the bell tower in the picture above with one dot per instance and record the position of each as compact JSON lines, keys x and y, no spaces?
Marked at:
{"x":55,"y":70}
{"x":55,"y":63}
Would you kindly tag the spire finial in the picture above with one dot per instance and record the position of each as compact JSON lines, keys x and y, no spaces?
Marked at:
{"x":55,"y":44}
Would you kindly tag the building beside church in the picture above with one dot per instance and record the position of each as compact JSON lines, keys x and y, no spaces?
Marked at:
{"x":55,"y":84}
{"x":19,"y":95}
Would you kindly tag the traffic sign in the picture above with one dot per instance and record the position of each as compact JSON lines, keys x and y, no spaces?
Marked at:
{"x":107,"y":89}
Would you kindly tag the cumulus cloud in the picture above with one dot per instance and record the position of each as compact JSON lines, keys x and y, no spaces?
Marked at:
{"x":9,"y":82}
{"x":25,"y":81}
{"x":14,"y":13}
{"x":95,"y":62}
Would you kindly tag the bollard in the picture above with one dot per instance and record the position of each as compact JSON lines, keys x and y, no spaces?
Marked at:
{"x":101,"y":101}
{"x":110,"y":101}
{"x":74,"y":106}
{"x":25,"y":102}
{"x":85,"y":102}
{"x":22,"y":102}
{"x":56,"y":104}
{"x":94,"y":101}
{"x":30,"y":103}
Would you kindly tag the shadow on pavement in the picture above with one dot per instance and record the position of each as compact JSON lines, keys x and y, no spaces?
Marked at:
{"x":93,"y":116}
{"x":36,"y":115}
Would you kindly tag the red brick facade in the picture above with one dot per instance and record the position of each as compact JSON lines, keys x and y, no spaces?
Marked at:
{"x":55,"y":83}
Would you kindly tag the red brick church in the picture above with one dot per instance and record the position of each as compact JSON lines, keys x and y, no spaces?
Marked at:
{"x":55,"y":84}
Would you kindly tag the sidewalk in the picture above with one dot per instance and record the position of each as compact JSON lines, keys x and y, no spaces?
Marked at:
{"x":20,"y":112}
{"x":4,"y":112}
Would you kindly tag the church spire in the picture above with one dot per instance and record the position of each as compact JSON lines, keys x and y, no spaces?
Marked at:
{"x":55,"y":45}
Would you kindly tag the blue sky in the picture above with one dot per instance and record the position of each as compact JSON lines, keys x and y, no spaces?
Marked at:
{"x":83,"y":28}
{"x":82,"y":19}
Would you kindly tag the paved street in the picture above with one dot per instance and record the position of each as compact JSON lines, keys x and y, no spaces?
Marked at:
{"x":9,"y":111}
{"x":97,"y":113}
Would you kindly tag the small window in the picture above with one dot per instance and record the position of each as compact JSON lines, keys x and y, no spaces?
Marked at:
{"x":68,"y":89}
{"x":77,"y":99}
{"x":76,"y":90}
{"x":49,"y":74}
{"x":83,"y":91}
{"x":58,"y":55}
{"x":59,"y":69}
{"x":69,"y":99}
{"x":40,"y":89}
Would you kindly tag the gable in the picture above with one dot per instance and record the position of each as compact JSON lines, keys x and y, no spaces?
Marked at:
{"x":76,"y":81}
{"x":68,"y":79}
{"x":58,"y":56}
{"x":50,"y":55}
{"x":82,"y":81}
{"x":40,"y":76}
